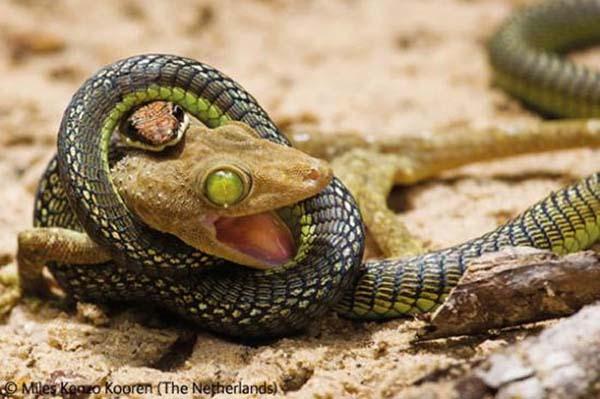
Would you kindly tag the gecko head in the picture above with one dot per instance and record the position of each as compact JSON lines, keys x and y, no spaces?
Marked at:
{"x":223,"y":191}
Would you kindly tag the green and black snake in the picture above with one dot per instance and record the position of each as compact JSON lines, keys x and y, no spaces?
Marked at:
{"x":76,"y":192}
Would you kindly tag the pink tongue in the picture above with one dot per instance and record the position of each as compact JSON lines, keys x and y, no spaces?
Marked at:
{"x":263,"y":236}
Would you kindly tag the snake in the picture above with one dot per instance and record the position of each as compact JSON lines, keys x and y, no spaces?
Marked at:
{"x":328,"y":272}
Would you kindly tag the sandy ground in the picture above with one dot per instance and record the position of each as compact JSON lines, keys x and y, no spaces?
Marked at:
{"x":386,"y":67}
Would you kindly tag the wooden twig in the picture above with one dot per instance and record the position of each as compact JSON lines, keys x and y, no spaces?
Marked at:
{"x":516,"y":286}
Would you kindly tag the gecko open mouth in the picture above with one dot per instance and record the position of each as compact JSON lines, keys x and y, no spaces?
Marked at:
{"x":262,"y":236}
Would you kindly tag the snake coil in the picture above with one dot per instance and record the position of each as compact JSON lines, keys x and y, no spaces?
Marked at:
{"x":76,"y":193}
{"x":152,"y":265}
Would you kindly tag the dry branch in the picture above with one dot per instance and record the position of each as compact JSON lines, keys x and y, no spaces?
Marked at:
{"x":516,"y":286}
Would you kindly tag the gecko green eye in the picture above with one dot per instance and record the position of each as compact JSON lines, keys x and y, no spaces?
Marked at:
{"x":226,"y":186}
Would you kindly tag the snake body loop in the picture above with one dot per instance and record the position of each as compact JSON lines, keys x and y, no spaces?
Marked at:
{"x":236,"y":301}
{"x":526,"y":57}
{"x":240,"y":302}
{"x":88,"y":124}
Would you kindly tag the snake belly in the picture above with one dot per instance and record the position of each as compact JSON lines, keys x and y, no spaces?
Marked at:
{"x":76,"y":192}
{"x":251,"y":303}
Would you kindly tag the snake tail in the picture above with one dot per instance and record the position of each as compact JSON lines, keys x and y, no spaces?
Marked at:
{"x":566,"y":221}
{"x":526,"y":57}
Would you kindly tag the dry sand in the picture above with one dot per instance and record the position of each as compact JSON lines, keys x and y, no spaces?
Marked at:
{"x":388,"y":67}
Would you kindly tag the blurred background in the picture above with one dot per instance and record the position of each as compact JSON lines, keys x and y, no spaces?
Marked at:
{"x":385,"y":67}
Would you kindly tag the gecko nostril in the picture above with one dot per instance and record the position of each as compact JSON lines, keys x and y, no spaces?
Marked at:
{"x":313,"y":174}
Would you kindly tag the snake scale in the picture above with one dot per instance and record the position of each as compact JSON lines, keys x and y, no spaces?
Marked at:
{"x":76,"y":193}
